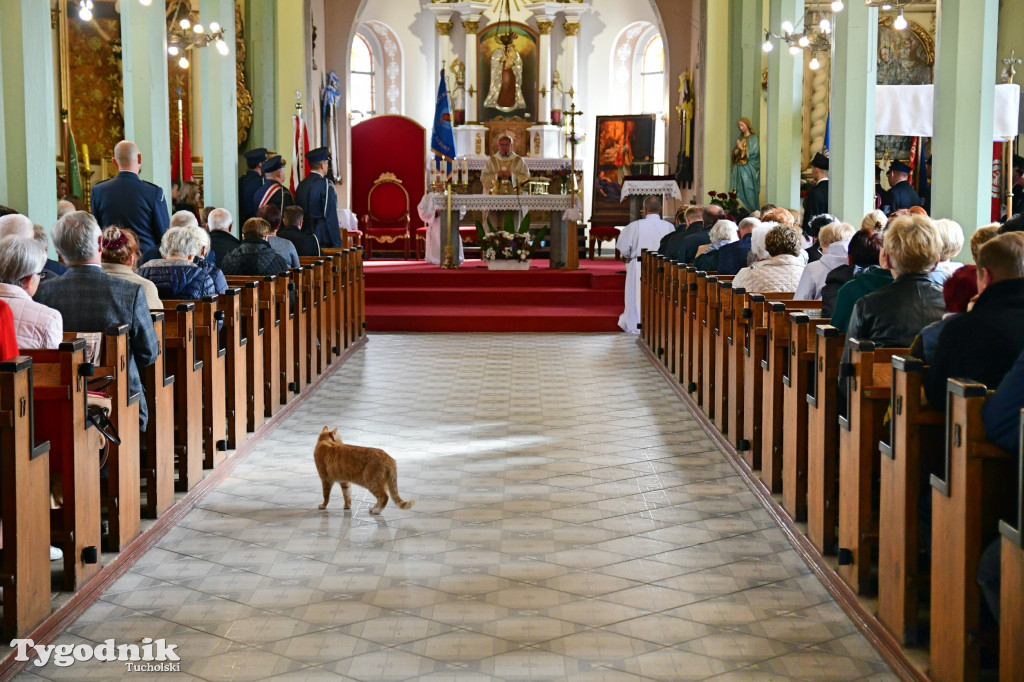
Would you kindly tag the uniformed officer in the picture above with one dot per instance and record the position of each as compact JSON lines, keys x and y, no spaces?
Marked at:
{"x":816,"y":201}
{"x":319,"y":202}
{"x":900,"y":194}
{"x":250,"y":182}
{"x":128,"y":201}
{"x":273,"y":192}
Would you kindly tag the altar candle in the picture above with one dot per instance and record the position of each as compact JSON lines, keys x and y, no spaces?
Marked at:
{"x":85,"y":156}
{"x":465,"y":172}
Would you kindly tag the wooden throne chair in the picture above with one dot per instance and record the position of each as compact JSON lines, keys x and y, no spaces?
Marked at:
{"x":387,"y":214}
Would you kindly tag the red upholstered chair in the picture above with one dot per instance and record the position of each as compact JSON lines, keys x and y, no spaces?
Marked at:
{"x":387,"y":214}
{"x":601,"y":233}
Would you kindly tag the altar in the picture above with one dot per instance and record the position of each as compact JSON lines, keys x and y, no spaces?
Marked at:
{"x":564,"y":209}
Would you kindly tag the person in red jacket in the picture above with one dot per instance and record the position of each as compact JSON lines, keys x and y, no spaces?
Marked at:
{"x":8,"y":341}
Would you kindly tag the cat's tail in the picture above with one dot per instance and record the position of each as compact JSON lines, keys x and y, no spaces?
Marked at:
{"x":393,"y":489}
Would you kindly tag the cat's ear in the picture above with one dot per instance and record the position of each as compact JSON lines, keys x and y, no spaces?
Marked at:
{"x":324,"y":431}
{"x":334,"y":434}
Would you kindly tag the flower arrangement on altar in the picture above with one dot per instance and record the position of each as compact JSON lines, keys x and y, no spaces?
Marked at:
{"x":509,"y":243}
{"x":561,"y":176}
{"x":729,"y":202}
{"x":577,"y":138}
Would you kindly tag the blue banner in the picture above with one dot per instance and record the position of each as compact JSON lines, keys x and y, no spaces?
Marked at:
{"x":442,"y":137}
{"x":828,"y":134}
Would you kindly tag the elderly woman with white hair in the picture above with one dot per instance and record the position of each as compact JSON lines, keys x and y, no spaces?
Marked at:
{"x":724,"y":232}
{"x":21,"y":265}
{"x":175,"y":275}
{"x":205,"y":258}
{"x":833,"y":239}
{"x":952,"y":244}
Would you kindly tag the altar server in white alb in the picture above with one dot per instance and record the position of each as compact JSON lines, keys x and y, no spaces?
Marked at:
{"x":431,"y":217}
{"x":645,"y":233}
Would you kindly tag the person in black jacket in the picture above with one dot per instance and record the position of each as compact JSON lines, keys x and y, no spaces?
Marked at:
{"x":250,"y":182}
{"x":691,"y":224}
{"x":900,"y":194}
{"x":292,"y":229}
{"x":816,"y":201}
{"x":222,"y":241}
{"x":255,"y":255}
{"x":175,"y":275}
{"x":983,"y":343}
{"x":688,"y":246}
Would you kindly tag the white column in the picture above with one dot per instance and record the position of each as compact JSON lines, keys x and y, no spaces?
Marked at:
{"x":572,"y":29}
{"x":781,"y":155}
{"x":965,"y":76}
{"x":219,"y":131}
{"x":544,"y":24}
{"x":471,"y":24}
{"x":443,"y":41}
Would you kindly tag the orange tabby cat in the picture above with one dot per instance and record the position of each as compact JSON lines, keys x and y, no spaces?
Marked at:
{"x":371,"y":468}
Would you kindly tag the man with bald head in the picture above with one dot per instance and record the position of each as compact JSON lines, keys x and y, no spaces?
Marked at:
{"x":128,"y":201}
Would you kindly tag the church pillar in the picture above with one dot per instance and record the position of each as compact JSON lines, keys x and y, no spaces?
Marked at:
{"x":782,"y":142}
{"x":471,"y":24}
{"x":219,"y":118}
{"x":746,"y":18}
{"x":851,"y":184}
{"x":261,"y":50}
{"x":965,"y":63}
{"x":544,"y":24}
{"x":443,"y":42}
{"x":27,"y":120}
{"x":569,"y":82}
{"x":146,"y":108}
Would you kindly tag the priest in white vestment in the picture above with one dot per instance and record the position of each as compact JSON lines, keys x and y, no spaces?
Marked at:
{"x":645,"y":233}
{"x":504,"y":167}
{"x":431,"y":217}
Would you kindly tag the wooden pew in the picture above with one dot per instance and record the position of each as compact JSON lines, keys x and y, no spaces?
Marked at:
{"x":775,"y":364}
{"x":252,"y":337}
{"x":654,"y":321}
{"x":301,"y":329}
{"x":341,"y":303}
{"x":798,"y":375}
{"x":286,"y":314}
{"x":698,"y":313}
{"x":317,"y":277}
{"x":59,"y":403}
{"x":335,"y":305}
{"x":234,"y":342}
{"x":911,"y":453}
{"x":157,"y":455}
{"x":645,"y":297}
{"x":708,"y":322}
{"x":24,"y":503}
{"x":736,"y":330}
{"x":687,"y":302}
{"x":755,"y":334}
{"x":1011,"y":593}
{"x":359,"y":292}
{"x":868,"y":376}
{"x":671,"y":322}
{"x":181,"y":348}
{"x":678,"y":304}
{"x":720,"y":340}
{"x":120,"y":494}
{"x":823,"y":439}
{"x":976,"y":487}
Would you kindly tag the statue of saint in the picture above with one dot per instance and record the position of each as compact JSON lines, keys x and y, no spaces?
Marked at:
{"x":746,"y":168}
{"x":506,"y":91}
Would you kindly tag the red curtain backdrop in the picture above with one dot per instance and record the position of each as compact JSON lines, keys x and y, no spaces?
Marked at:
{"x":389,"y":144}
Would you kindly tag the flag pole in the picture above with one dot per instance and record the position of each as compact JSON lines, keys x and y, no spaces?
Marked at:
{"x":181,"y":141}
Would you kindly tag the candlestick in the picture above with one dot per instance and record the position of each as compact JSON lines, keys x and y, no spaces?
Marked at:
{"x":85,"y":157}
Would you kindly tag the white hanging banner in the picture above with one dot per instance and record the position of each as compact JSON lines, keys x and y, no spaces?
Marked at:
{"x":908,"y":110}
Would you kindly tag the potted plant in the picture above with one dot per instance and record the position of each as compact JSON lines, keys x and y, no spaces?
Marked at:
{"x":728,"y":202}
{"x":508,"y":248}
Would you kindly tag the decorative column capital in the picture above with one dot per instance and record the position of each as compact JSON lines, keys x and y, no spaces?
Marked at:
{"x":443,"y":28}
{"x":544,"y":27}
{"x":471,"y":25}
{"x":572,"y":28}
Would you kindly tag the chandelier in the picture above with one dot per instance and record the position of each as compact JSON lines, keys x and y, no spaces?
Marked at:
{"x":183,"y":34}
{"x":813,"y":33}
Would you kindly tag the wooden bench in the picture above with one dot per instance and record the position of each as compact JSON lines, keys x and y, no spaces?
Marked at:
{"x":1011,"y":593}
{"x":799,"y":373}
{"x":736,"y":330}
{"x":976,"y":487}
{"x":24,"y":503}
{"x":119,"y":495}
{"x":234,"y":342}
{"x":301,"y":329}
{"x":755,"y":334}
{"x":687,"y":303}
{"x":708,"y":323}
{"x":358,"y":292}
{"x":671,"y":316}
{"x":156,"y":467}
{"x":823,"y":439}
{"x":697,"y":313}
{"x":181,"y":350}
{"x":252,"y":337}
{"x":287,"y":317}
{"x":59,"y":404}
{"x":720,"y":340}
{"x":646,"y":292}
{"x":316,"y":283}
{"x":775,"y":364}
{"x":910,"y":454}
{"x":868,"y":376}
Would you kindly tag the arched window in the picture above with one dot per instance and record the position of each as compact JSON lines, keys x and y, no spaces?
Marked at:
{"x":361,"y":79}
{"x":652,"y":89}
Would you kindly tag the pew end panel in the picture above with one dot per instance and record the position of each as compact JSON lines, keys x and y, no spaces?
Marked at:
{"x":181,"y":347}
{"x":157,"y":456}
{"x":1011,"y":607}
{"x":823,"y":439}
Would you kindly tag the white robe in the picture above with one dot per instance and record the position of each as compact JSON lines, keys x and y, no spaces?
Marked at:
{"x":432,"y":219}
{"x":634,"y":238}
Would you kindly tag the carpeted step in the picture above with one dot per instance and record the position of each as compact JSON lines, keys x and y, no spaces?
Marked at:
{"x":475,"y":296}
{"x":493,"y":318}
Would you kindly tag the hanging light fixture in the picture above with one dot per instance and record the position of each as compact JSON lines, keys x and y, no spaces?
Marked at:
{"x":85,"y":10}
{"x":183,"y":34}
{"x":900,"y":23}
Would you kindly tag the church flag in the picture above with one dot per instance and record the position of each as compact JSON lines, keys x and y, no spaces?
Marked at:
{"x":329,"y":101}
{"x":74,"y":177}
{"x":442,"y":137}
{"x":181,"y":159}
{"x":300,"y":145}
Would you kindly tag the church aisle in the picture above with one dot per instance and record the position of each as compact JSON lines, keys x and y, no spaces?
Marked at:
{"x":572,"y":521}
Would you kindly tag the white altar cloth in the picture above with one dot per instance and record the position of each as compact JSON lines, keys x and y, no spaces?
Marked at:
{"x":650,"y":187}
{"x":908,"y":110}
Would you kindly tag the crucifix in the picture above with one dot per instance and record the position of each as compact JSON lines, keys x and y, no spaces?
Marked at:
{"x":572,"y":114}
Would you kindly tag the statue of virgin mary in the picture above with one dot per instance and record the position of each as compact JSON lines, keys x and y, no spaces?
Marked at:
{"x":506,"y":91}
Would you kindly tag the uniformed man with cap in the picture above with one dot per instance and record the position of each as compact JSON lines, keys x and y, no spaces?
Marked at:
{"x":250,"y":182}
{"x":900,"y":194}
{"x":319,"y":202}
{"x":273,"y":192}
{"x":128,"y":201}
{"x":816,"y":201}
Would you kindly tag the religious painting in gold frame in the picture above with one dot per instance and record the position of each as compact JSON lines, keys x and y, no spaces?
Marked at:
{"x":905,"y":57}
{"x":624,"y":145}
{"x":524,"y":44}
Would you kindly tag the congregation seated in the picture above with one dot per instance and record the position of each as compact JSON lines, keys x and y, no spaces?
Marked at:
{"x":814,"y":248}
{"x":182,"y":218}
{"x":733,"y":257}
{"x":691,"y":222}
{"x":284,"y":248}
{"x":254,"y":256}
{"x":175,"y":275}
{"x":952,"y":244}
{"x":687,"y":249}
{"x":91,"y":301}
{"x":205,"y":259}
{"x":865,"y":272}
{"x":983,"y":343}
{"x":21,"y":262}
{"x":724,"y":232}
{"x":52,"y":268}
{"x":305,"y":242}
{"x":894,"y":314}
{"x":120,"y":256}
{"x":782,"y":270}
{"x":834,"y":240}
{"x":222,"y":241}
{"x":186,"y":199}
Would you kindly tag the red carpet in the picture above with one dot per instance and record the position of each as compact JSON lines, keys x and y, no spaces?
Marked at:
{"x":414,"y":296}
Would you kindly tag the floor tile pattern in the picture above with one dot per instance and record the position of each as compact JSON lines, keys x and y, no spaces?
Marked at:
{"x":572,"y":520}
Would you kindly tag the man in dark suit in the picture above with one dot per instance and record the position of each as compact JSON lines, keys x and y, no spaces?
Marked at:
{"x":273,"y":192}
{"x":1018,"y":184}
{"x":900,"y":194}
{"x":89,"y":300}
{"x":130,"y":202}
{"x":319,"y":202}
{"x":687,"y":250}
{"x":250,"y":182}
{"x":222,"y":239}
{"x":816,"y":201}
{"x":691,"y":225}
{"x":292,"y":229}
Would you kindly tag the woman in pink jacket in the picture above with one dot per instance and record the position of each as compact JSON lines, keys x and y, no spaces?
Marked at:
{"x":21,"y":262}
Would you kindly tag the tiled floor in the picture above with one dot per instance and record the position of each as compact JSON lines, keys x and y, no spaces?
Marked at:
{"x":572,"y":521}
